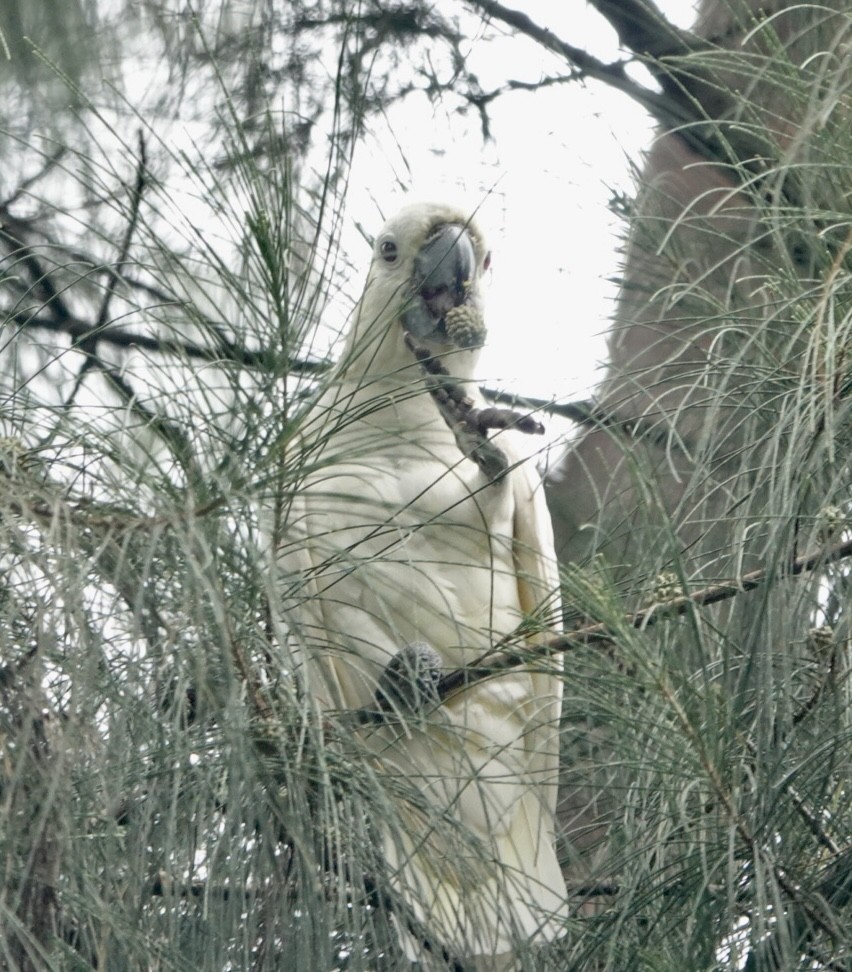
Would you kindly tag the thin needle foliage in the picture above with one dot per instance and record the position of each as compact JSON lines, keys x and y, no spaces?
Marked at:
{"x":171,"y":204}
{"x":709,"y":810}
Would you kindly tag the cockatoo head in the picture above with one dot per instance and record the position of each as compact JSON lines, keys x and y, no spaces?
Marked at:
{"x":425,"y":278}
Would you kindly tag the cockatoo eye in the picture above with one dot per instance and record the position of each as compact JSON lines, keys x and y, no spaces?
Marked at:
{"x":388,"y":251}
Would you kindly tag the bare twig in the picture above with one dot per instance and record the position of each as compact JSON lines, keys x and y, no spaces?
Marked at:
{"x":89,"y":342}
{"x":585,"y":64}
{"x":690,"y":104}
{"x":132,"y":222}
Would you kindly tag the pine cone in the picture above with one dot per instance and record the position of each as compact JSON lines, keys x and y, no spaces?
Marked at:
{"x":465,"y":326}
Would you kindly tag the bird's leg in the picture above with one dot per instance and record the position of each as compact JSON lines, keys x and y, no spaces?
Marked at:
{"x":470,"y":425}
{"x":410,"y":679}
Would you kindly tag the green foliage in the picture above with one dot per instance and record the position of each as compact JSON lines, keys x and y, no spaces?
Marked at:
{"x":704,"y":760}
{"x":167,"y":798}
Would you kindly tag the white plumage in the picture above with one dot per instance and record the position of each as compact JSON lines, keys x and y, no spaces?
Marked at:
{"x":395,"y":537}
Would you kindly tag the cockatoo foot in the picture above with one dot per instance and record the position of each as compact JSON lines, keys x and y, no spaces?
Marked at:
{"x":470,"y":425}
{"x":410,"y":679}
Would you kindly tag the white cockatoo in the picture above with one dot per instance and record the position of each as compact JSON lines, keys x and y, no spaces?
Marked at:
{"x":409,"y":559}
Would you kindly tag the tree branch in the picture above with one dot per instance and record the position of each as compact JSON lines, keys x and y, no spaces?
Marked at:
{"x":78,"y":330}
{"x":583,"y":412}
{"x":497,"y":660}
{"x":690,"y":105}
{"x":88,"y":344}
{"x":642,"y":28}
{"x":585,"y":65}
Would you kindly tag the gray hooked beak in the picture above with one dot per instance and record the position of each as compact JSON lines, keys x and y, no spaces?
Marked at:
{"x":443,"y":270}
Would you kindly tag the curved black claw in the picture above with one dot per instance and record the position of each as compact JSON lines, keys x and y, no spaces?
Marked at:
{"x":410,"y":679}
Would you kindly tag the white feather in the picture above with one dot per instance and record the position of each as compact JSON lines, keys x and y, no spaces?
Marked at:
{"x":400,"y":539}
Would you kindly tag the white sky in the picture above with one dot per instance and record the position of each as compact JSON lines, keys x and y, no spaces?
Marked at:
{"x":543,"y":185}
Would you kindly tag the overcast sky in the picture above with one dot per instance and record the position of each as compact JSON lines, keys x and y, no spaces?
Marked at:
{"x":543,"y":185}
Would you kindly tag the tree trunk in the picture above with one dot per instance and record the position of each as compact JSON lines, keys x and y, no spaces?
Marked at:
{"x":707,"y":458}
